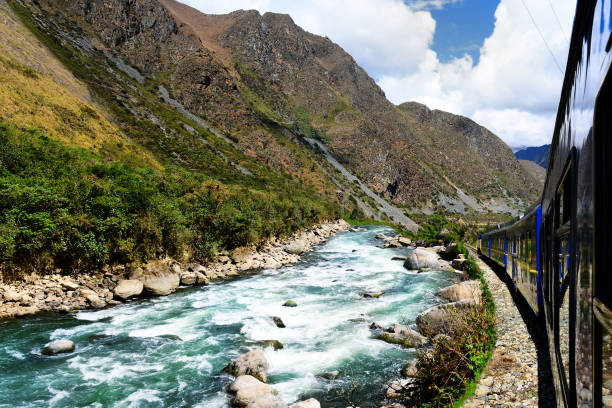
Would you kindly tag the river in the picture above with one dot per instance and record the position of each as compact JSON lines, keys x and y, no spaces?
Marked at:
{"x":169,"y":351}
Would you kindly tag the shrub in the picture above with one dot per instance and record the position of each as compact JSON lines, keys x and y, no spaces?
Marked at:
{"x":447,"y":371}
{"x":70,"y":208}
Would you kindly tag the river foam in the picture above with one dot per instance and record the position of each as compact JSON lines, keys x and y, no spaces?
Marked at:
{"x":170,"y":351}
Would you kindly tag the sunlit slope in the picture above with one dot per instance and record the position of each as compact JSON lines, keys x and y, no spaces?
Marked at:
{"x":38,"y":91}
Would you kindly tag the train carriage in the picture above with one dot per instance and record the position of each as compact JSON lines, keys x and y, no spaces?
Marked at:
{"x":557,"y":254}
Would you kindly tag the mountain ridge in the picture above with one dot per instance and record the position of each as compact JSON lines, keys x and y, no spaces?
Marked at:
{"x":264,"y":83}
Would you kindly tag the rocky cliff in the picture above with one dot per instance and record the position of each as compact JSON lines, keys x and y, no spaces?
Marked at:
{"x":261,"y":85}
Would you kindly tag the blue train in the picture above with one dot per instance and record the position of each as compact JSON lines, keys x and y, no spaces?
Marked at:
{"x":558,"y":253}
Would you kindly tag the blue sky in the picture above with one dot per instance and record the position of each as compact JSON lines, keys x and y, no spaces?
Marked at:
{"x":462,"y":28}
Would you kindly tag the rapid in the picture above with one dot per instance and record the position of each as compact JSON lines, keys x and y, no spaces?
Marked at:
{"x":170,"y":351}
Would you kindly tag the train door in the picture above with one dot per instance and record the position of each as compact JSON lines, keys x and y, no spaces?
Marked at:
{"x":564,"y":283}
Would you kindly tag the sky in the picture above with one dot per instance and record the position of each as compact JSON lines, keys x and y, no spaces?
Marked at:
{"x":498,"y":62}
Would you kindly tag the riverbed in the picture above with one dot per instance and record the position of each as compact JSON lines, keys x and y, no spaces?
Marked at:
{"x":170,"y":351}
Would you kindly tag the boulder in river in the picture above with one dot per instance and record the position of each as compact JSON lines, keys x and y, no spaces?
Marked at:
{"x":275,"y":344}
{"x":251,"y":393}
{"x":253,"y":363}
{"x":410,"y":370}
{"x":404,"y":241}
{"x":309,"y":403}
{"x":374,"y":295}
{"x":399,"y":258}
{"x":420,"y":259}
{"x":278,"y":322}
{"x":332,"y":375}
{"x":127,"y":288}
{"x":95,"y":301}
{"x":467,"y":290}
{"x":161,"y":285}
{"x":290,"y":303}
{"x":403,"y":335}
{"x":375,"y":326}
{"x":57,"y":347}
{"x":188,"y":278}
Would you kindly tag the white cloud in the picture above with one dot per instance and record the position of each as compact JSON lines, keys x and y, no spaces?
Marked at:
{"x":513,"y":90}
{"x":386,"y":37}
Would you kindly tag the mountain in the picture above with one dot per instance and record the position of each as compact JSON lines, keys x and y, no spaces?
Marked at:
{"x":533,"y":168}
{"x":267,"y":126}
{"x":539,"y":154}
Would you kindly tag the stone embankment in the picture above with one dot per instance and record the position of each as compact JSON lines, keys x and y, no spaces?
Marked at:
{"x":120,"y":283}
{"x":511,"y":376}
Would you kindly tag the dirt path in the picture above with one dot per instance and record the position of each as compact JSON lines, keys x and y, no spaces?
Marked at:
{"x":511,"y":376}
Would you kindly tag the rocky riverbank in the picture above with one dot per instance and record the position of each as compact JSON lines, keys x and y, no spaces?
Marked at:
{"x":436,"y":321}
{"x":114,"y":285}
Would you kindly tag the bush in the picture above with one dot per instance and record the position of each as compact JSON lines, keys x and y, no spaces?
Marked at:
{"x":452,"y":365}
{"x":435,"y":224}
{"x":447,"y":372}
{"x":70,"y":208}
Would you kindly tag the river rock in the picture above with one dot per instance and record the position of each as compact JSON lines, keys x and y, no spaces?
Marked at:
{"x":127,"y":288}
{"x":441,"y":319}
{"x":251,"y":393}
{"x":253,"y":363}
{"x":95,"y":301}
{"x":290,"y":303}
{"x":161,"y":285}
{"x":242,"y":254}
{"x":57,"y":347}
{"x":404,"y":241}
{"x":12,"y":296}
{"x":399,"y":258}
{"x":201,"y":279}
{"x":381,"y":236}
{"x":332,"y":375}
{"x":467,"y":290}
{"x":451,"y":252}
{"x":275,"y":344}
{"x":410,"y":370}
{"x":309,"y":403}
{"x":188,"y":278}
{"x":375,"y":295}
{"x":296,"y":248}
{"x":278,"y":322}
{"x":420,"y":259}
{"x":459,"y":264}
{"x":396,"y":388}
{"x":70,"y":285}
{"x":403,"y":335}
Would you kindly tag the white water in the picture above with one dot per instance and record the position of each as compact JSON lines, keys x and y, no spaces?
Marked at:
{"x":121,"y":360}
